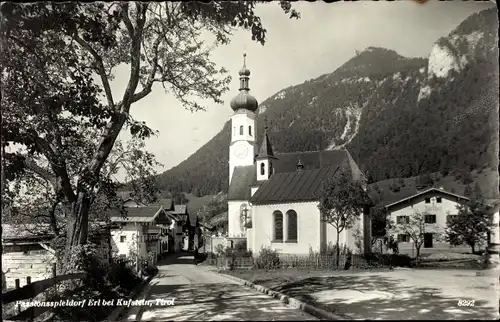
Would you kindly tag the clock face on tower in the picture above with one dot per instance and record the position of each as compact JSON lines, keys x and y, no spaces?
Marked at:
{"x":241,"y":151}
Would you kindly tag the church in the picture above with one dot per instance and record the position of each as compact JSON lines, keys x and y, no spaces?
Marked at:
{"x":273,"y":197}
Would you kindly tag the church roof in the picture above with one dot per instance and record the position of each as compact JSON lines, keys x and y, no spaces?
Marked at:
{"x":287,"y":162}
{"x":244,"y":177}
{"x":294,"y":186}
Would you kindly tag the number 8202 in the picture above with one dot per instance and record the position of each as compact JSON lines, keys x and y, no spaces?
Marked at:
{"x":466,"y":302}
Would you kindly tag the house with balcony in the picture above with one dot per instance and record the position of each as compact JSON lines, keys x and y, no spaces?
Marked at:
{"x":438,"y":206}
{"x":156,"y":228}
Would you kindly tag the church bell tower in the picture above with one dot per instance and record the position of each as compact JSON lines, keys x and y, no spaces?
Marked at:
{"x":242,"y":146}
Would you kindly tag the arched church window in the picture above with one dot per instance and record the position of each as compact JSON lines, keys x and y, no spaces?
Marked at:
{"x":241,"y":129}
{"x":278,"y":226}
{"x":262,"y":169}
{"x":250,"y":130}
{"x":291,"y":226}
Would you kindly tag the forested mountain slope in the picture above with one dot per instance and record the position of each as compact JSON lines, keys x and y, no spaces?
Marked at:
{"x":399,"y":117}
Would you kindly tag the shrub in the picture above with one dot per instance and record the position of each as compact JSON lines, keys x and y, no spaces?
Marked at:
{"x":122,"y":274}
{"x":219,"y":250}
{"x":268,"y":259}
{"x":149,"y":271}
{"x":381,"y":260}
{"x":102,"y":281}
{"x":229,"y":252}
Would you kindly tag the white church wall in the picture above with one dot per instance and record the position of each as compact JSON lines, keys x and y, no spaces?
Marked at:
{"x":331,"y":236}
{"x":355,"y":239}
{"x":308,"y":228}
{"x":249,"y":239}
{"x":352,"y":238}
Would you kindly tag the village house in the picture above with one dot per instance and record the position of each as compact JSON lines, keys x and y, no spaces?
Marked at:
{"x":276,"y":194}
{"x":439,"y":206}
{"x":158,"y":228}
{"x":27,"y":251}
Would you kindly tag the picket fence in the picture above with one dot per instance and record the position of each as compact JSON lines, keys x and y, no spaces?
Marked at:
{"x":30,"y":291}
{"x":285,"y":261}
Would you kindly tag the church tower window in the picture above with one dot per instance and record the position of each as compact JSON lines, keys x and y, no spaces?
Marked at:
{"x":262,"y":168}
{"x":250,"y":130}
{"x":241,"y":129}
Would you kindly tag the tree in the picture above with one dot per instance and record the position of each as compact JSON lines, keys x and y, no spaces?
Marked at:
{"x":35,"y":206}
{"x":468,"y":192}
{"x":179,"y":198}
{"x":477,"y":193}
{"x":416,"y":228}
{"x":379,"y":223}
{"x":51,"y":51}
{"x":342,"y":201}
{"x":424,"y":180}
{"x":471,"y":225}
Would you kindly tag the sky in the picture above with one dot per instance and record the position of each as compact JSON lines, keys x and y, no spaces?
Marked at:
{"x":326,"y":36}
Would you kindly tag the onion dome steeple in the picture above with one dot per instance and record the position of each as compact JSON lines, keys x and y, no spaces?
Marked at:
{"x":244,"y":100}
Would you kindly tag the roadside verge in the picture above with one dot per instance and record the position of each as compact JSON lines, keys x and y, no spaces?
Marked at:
{"x":115,"y":315}
{"x":293,"y":302}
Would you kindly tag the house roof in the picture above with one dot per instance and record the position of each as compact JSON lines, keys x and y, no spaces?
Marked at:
{"x":166,"y":203}
{"x":245,"y":177}
{"x":26,"y":231}
{"x":179,"y":210}
{"x":294,"y":186}
{"x":421,"y":193}
{"x":141,"y":214}
{"x":43,"y":231}
{"x":218,"y":219}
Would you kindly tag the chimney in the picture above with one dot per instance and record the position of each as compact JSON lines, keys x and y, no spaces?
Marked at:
{"x":300,"y":166}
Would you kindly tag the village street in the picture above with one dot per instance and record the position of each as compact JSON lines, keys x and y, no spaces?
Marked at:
{"x":201,"y":294}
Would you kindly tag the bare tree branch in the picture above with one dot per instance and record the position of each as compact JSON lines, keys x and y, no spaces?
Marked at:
{"x":151,"y":78}
{"x":100,"y":68}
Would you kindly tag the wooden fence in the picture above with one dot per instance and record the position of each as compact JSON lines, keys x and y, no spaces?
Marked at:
{"x":31,"y":290}
{"x":286,"y":261}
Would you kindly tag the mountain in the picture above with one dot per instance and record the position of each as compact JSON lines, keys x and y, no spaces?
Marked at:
{"x":399,"y":117}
